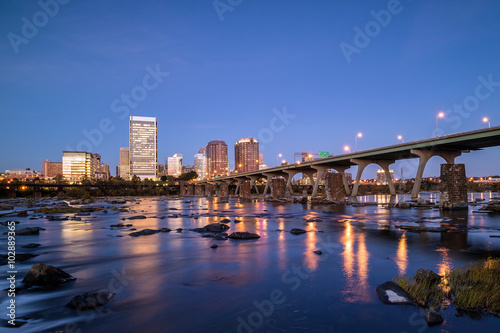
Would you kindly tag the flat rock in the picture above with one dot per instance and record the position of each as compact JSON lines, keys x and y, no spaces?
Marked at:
{"x":27,"y":231}
{"x":391,"y":293}
{"x":6,"y":207}
{"x":89,"y":301}
{"x":225,"y":221}
{"x":297,"y":231}
{"x":46,"y":275}
{"x":243,"y":235}
{"x":137,"y":217}
{"x":318,"y":252}
{"x":214,"y":246}
{"x":31,"y":245}
{"x":145,"y":232}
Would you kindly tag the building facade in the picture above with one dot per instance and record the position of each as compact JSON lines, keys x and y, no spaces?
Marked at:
{"x":217,"y":163}
{"x":51,"y":169}
{"x":124,"y":165}
{"x":246,"y":155}
{"x":143,"y":153}
{"x":381,"y":179}
{"x":200,"y":163}
{"x":175,"y":165}
{"x":78,"y":165}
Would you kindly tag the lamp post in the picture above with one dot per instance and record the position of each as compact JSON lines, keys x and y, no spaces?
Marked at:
{"x":439,"y":115}
{"x":347,"y":149}
{"x":487,"y":120}
{"x":400,"y":137}
{"x":359,"y":135}
{"x":278,"y":159}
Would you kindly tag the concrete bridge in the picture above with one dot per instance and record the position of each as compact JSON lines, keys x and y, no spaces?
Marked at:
{"x":449,"y":147}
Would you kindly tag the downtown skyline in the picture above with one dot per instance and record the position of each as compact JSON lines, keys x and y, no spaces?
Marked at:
{"x":81,"y":76}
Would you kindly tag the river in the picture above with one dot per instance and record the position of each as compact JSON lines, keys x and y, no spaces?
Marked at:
{"x":174,"y":282}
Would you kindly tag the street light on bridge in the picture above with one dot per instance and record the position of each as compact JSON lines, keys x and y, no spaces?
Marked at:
{"x":347,"y":149}
{"x":359,"y":135}
{"x":487,"y":120}
{"x":400,"y":137}
{"x":278,"y":159}
{"x":439,"y":115}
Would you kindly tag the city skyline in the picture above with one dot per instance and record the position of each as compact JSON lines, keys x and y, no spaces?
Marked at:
{"x":301,"y":65}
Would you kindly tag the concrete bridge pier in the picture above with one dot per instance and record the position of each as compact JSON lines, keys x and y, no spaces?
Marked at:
{"x":334,"y":187}
{"x":453,"y":191}
{"x":224,"y":189}
{"x":321,"y":170}
{"x":342,"y":170}
{"x":198,"y":190}
{"x":209,"y":190}
{"x":278,"y":187}
{"x":269,"y":177}
{"x":291,"y":174}
{"x":362,"y":164}
{"x":182,"y":188}
{"x":245,"y":189}
{"x":423,"y":157}
{"x":189,"y":190}
{"x":252,"y":183}
{"x":238,"y":186}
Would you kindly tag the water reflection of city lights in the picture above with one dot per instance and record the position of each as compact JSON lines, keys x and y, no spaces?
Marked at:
{"x":402,"y":256}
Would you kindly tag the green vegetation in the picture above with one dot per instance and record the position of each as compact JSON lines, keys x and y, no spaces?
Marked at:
{"x":475,"y":286}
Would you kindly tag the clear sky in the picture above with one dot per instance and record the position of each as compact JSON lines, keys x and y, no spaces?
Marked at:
{"x":296,"y":75}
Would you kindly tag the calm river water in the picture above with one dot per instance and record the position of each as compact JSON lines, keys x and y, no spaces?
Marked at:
{"x":174,"y":282}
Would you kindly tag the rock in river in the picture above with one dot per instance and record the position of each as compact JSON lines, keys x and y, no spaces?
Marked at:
{"x":391,"y":293}
{"x":144,"y":232}
{"x":27,"y":231}
{"x":243,"y":235}
{"x":31,"y":245}
{"x":433,"y":318}
{"x":138,"y":217}
{"x":297,"y":231}
{"x":212,"y":227}
{"x":89,"y":301}
{"x":426,"y":275}
{"x":46,"y":275}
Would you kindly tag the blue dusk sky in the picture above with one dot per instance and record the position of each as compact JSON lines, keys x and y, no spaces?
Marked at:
{"x":297,"y":75}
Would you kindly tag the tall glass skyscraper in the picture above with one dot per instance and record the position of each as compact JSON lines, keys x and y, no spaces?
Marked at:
{"x":143,"y":147}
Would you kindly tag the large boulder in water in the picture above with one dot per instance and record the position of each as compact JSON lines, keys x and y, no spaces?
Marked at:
{"x":89,"y":301}
{"x":427,"y":276}
{"x":243,"y":235}
{"x":391,"y":293}
{"x":46,"y":275}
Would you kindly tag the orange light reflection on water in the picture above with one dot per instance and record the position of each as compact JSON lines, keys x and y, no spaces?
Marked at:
{"x":402,"y":255}
{"x":356,"y":267}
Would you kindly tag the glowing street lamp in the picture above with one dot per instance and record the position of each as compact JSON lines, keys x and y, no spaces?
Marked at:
{"x":400,"y":137}
{"x":347,"y":149}
{"x":283,"y":162}
{"x":487,"y":120}
{"x":359,"y":135}
{"x":439,"y":115}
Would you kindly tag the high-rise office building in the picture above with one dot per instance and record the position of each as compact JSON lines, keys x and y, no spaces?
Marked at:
{"x":217,"y":164}
{"x":175,"y":165}
{"x":143,"y":152}
{"x":78,"y":165}
{"x":51,"y":169}
{"x":124,"y":166}
{"x":200,"y":163}
{"x":246,"y":155}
